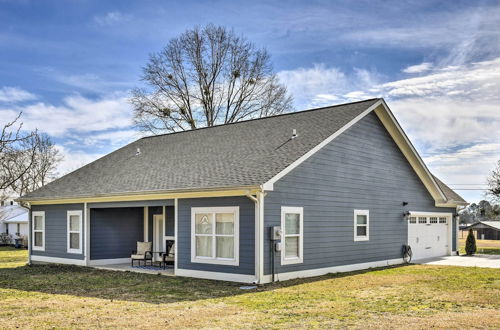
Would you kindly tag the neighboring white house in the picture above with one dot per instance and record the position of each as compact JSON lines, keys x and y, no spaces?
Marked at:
{"x":14,"y":220}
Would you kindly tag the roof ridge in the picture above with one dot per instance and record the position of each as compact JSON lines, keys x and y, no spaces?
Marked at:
{"x":261,"y":118}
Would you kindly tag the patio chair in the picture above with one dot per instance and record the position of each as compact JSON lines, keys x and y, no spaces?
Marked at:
{"x":144,"y":252}
{"x":169,"y":256}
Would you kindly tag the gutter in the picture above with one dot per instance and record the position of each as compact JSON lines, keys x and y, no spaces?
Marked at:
{"x":137,"y":193}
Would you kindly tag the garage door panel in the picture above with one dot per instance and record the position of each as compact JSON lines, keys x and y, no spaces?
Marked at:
{"x":428,"y":235}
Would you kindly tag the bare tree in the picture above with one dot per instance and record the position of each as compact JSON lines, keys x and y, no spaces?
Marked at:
{"x":43,"y":168}
{"x":27,"y":160}
{"x":12,"y":149}
{"x":204,"y":77}
{"x":494,"y":183}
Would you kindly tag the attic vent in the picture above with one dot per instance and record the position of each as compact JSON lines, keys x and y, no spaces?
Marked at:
{"x":138,"y":152}
{"x":294,"y":133}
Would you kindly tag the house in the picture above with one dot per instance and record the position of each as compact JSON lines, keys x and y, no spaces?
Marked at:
{"x":332,"y":189}
{"x":483,"y":230}
{"x":14,"y":221}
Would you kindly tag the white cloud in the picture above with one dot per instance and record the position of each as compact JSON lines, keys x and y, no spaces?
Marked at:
{"x":117,"y":137}
{"x":14,"y":94}
{"x":110,"y":18}
{"x":320,"y":85}
{"x":422,"y":67}
{"x":76,"y":114}
{"x":474,"y":81}
{"x":73,"y":160}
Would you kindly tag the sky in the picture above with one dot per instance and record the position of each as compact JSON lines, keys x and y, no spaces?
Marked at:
{"x":69,"y":67}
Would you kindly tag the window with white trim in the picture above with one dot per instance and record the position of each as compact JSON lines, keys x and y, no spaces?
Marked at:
{"x":38,"y":223}
{"x":292,"y":227}
{"x":413,"y":219}
{"x":422,"y":219}
{"x":361,"y":225}
{"x":442,"y":219}
{"x":433,"y":220}
{"x":74,"y":231}
{"x":215,"y":235}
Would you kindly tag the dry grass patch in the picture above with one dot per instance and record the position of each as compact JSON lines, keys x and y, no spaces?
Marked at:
{"x":416,"y":296}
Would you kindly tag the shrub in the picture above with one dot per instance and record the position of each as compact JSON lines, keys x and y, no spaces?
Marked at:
{"x":5,"y":239}
{"x":470,"y":243}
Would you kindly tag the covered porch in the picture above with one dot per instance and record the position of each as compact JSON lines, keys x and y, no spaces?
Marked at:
{"x":115,"y":228}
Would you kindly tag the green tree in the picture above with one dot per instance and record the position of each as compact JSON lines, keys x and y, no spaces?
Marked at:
{"x":470,"y":243}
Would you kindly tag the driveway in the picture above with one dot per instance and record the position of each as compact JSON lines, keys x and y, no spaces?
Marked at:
{"x":482,"y":260}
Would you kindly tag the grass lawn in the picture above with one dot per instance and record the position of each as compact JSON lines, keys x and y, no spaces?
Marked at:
{"x":414,"y":296}
{"x":483,"y":246}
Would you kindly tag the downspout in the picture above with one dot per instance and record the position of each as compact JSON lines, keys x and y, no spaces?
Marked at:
{"x":256,"y":236}
{"x":30,"y":224}
{"x":259,"y":235}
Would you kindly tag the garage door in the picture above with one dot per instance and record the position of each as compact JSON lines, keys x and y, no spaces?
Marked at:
{"x":428,"y":235}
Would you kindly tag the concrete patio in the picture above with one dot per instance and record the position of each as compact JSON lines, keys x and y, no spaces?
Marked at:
{"x":480,"y":260}
{"x":127,"y":268}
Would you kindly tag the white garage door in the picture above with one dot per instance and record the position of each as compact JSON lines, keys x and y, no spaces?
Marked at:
{"x":428,"y":235}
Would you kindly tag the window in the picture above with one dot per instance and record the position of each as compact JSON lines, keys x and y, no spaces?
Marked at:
{"x":361,"y":225}
{"x":442,"y":219}
{"x":215,"y":235}
{"x":422,"y":219}
{"x":293,"y":236}
{"x":413,"y":219}
{"x":38,"y":231}
{"x":18,"y":233}
{"x":433,"y":220}
{"x":74,"y":231}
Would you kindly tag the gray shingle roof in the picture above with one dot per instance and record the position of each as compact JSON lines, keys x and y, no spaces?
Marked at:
{"x":244,"y":154}
{"x":449,"y":193}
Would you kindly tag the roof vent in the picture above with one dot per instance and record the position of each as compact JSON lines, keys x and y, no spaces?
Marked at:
{"x":294,"y":133}
{"x":138,"y":152}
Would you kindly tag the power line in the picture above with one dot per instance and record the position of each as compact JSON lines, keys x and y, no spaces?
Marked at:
{"x":467,"y":184}
{"x":469,"y":189}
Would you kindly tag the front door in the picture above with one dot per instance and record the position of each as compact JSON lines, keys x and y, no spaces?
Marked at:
{"x":158,"y":242}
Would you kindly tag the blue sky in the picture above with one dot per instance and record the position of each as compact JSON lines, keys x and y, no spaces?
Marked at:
{"x":69,"y":67}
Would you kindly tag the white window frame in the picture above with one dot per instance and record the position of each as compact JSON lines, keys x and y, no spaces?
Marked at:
{"x":367,"y":214}
{"x":300,"y":258}
{"x":33,"y":231}
{"x":214,"y":260}
{"x":79,"y":232}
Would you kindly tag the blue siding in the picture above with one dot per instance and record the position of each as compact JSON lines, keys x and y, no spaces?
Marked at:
{"x":247,"y":234}
{"x":114,"y":232}
{"x":169,"y":221}
{"x":56,"y":224}
{"x":361,"y":169}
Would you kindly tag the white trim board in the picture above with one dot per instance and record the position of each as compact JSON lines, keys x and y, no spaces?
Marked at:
{"x":334,"y":269}
{"x":239,"y":278}
{"x":101,"y":262}
{"x":66,"y":261}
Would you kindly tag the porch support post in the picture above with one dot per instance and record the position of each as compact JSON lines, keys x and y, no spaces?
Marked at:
{"x":30,"y":230}
{"x":86,"y":220}
{"x":164,"y":247}
{"x":146,"y":224}
{"x":176,"y":227}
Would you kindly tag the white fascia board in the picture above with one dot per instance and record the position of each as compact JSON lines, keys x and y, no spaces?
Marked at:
{"x":269,"y":185}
